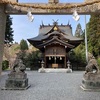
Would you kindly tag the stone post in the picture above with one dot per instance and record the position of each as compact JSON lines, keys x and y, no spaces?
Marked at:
{"x":2,"y":32}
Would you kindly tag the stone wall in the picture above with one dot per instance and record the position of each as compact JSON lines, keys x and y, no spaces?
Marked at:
{"x":2,"y":33}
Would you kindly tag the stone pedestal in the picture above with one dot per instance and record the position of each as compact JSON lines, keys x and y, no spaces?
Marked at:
{"x":69,"y":70}
{"x":17,"y":81}
{"x":91,"y":81}
{"x":41,"y":70}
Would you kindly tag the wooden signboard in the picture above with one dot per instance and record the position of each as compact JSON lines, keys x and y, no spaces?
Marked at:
{"x":54,"y":65}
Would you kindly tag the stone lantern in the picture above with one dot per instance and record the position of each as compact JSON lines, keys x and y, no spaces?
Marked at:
{"x":69,"y":70}
{"x":42,"y":70}
{"x":68,"y":64}
{"x":42,"y":64}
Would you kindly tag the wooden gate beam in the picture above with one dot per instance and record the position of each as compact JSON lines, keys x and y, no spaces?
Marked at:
{"x":55,"y":9}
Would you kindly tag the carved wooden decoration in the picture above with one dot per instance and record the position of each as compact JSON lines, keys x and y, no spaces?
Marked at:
{"x":53,"y":1}
{"x":55,"y":50}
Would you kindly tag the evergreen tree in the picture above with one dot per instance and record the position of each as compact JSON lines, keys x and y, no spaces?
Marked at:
{"x":32,"y":60}
{"x":93,"y":34}
{"x":78,"y":31}
{"x":23,"y":45}
{"x":9,"y":30}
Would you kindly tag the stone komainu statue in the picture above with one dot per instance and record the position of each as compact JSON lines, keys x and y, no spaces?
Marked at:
{"x":92,"y":65}
{"x":18,"y":65}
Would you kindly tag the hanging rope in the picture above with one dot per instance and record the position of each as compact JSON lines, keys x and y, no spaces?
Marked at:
{"x":49,"y":7}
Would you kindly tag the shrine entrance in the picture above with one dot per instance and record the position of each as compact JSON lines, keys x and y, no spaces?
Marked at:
{"x":55,"y":61}
{"x":55,"y":56}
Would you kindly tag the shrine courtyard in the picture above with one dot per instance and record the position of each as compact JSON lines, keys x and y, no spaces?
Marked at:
{"x":49,"y":86}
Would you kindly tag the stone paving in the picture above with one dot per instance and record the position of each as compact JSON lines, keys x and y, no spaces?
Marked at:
{"x":50,"y":86}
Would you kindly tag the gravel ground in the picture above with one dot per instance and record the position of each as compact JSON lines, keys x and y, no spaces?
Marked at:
{"x":49,"y":86}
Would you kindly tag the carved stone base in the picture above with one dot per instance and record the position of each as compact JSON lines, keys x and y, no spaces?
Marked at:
{"x":91,"y":81}
{"x":55,"y":70}
{"x":69,"y":70}
{"x":16,"y":81}
{"x":41,"y":70}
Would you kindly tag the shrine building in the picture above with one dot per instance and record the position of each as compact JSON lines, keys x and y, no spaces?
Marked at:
{"x":55,"y":41}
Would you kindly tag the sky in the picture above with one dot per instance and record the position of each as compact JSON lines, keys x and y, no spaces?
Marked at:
{"x":24,"y":29}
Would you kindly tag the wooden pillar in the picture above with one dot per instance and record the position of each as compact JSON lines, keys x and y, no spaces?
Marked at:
{"x":44,"y":59}
{"x":45,"y":62}
{"x":65,"y":61}
{"x":2,"y":32}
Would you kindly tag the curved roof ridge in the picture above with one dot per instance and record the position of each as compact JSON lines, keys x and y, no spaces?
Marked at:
{"x":55,"y":28}
{"x":58,"y":40}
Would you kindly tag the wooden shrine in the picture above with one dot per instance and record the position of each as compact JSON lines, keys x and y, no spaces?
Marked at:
{"x":55,"y":41}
